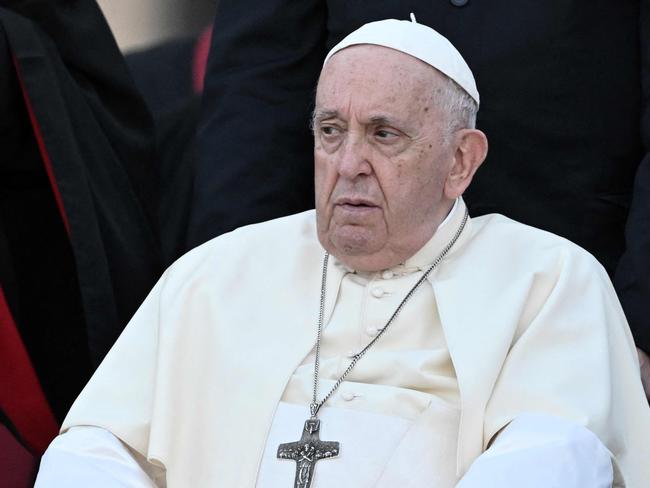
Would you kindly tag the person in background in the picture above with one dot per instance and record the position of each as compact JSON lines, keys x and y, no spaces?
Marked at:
{"x":566,"y":106}
{"x":79,"y":245}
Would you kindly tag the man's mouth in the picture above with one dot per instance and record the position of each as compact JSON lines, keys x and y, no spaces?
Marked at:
{"x":355,"y":205}
{"x":355,"y":202}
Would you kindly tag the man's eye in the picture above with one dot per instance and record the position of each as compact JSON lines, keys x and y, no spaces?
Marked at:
{"x":328,"y":130}
{"x":385,"y":134}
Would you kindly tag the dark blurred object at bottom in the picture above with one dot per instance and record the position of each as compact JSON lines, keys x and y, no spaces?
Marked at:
{"x":17,"y":465}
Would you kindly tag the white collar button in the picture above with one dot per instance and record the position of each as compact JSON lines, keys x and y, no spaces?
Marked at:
{"x":387,"y":275}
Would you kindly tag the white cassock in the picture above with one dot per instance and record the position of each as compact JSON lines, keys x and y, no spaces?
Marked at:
{"x":517,"y":331}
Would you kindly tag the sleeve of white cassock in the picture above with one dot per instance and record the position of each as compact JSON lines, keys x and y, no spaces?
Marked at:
{"x":542,"y":451}
{"x":120,"y":396}
{"x":573,"y":357}
{"x":89,"y":456}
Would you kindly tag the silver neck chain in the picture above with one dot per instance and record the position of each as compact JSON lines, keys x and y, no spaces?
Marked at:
{"x":315,"y":405}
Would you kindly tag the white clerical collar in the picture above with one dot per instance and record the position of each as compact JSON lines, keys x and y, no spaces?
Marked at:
{"x":440,"y":238}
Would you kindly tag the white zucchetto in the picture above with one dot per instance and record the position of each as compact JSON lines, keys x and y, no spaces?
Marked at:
{"x":417,"y":40}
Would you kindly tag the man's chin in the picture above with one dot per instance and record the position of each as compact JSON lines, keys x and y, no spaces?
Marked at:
{"x":354,"y":240}
{"x":356,"y":250}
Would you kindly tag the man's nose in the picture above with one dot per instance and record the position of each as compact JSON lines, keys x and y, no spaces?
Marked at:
{"x":354,"y":157}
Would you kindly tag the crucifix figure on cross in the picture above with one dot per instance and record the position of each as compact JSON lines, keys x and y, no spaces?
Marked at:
{"x":307,"y":451}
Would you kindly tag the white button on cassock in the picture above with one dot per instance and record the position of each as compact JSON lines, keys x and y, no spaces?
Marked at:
{"x":347,"y":396}
{"x":372,"y":330}
{"x":377,"y":292}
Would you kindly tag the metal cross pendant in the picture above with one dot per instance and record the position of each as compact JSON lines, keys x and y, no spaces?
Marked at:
{"x":307,"y":451}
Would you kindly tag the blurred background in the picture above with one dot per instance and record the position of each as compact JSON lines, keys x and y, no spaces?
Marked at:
{"x":141,"y":24}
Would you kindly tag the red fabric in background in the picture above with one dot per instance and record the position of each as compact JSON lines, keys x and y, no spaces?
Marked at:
{"x":200,"y":61}
{"x":17,"y":465}
{"x":21,"y":396}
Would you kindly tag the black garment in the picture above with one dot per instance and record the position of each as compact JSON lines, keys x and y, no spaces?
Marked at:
{"x":632,"y":279}
{"x":175,"y":140}
{"x":74,"y":272}
{"x":163,"y":73}
{"x":164,"y":76}
{"x":561,"y":95}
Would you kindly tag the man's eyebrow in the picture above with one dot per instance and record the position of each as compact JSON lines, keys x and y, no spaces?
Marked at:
{"x":324,"y":115}
{"x":385,"y":120}
{"x":379,"y":119}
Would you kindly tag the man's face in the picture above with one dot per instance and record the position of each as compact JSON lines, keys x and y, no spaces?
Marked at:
{"x":380,"y":154}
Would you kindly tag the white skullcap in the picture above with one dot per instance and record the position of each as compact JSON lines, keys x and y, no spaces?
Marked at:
{"x":417,"y":40}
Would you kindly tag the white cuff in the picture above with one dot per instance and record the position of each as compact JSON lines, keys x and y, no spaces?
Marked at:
{"x":542,"y":451}
{"x":91,"y":456}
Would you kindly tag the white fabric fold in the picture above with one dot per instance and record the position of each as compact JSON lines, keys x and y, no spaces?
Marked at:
{"x":530,"y":326}
{"x":535,"y":450}
{"x":91,"y":456}
{"x":542,"y":451}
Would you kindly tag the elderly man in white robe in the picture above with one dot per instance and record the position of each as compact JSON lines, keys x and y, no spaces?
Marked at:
{"x":386,"y":339}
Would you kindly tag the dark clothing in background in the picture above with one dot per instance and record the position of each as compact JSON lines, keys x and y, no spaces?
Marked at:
{"x":78,"y":192}
{"x":632,"y":279}
{"x":565,"y":103}
{"x":18,"y":466}
{"x":170,"y":78}
{"x":175,"y":140}
{"x":166,"y":76}
{"x":163,"y":73}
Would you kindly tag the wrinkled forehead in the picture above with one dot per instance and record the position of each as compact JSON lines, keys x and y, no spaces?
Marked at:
{"x":381,"y":57}
{"x":367,"y":74}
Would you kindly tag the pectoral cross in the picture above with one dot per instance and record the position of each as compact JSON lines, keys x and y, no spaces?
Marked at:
{"x":307,"y":451}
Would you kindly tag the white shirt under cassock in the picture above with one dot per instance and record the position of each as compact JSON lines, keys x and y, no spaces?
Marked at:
{"x":517,"y":333}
